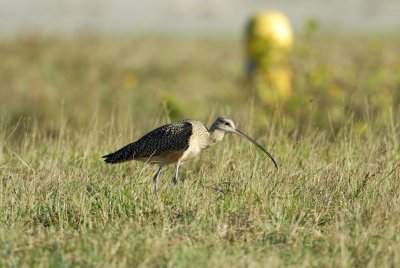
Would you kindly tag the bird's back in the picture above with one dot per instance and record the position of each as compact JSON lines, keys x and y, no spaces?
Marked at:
{"x":161,"y":141}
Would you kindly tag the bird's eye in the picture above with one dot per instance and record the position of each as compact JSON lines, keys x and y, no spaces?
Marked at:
{"x":227,"y":124}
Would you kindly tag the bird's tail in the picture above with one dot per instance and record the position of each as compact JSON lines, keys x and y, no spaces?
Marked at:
{"x":122,"y":155}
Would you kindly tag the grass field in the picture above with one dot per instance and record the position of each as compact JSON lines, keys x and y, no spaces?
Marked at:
{"x":335,"y":202}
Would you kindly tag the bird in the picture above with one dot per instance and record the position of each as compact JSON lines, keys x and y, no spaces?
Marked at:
{"x":176,"y":143}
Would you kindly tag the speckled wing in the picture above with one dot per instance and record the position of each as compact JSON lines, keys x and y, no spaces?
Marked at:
{"x":162,"y":141}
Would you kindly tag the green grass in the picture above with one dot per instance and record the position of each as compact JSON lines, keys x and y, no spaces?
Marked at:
{"x":66,"y":102}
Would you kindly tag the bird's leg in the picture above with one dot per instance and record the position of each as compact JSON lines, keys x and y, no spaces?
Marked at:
{"x":175,"y":178}
{"x":155,"y":178}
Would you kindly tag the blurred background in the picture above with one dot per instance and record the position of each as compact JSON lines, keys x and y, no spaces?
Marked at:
{"x":188,"y":16}
{"x":84,"y":61}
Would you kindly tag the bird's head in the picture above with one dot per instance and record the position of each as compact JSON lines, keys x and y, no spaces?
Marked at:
{"x":228,"y":126}
{"x":224,"y":124}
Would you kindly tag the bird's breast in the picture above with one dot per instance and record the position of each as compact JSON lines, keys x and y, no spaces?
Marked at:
{"x":193,"y":150}
{"x":197,"y":141}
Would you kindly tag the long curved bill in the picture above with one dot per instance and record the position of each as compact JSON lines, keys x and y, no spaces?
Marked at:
{"x":240,"y":133}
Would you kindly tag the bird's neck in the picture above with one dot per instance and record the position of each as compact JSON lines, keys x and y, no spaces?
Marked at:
{"x":216,"y":135}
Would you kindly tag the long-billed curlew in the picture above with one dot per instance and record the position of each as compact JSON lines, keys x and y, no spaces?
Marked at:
{"x":177,"y":142}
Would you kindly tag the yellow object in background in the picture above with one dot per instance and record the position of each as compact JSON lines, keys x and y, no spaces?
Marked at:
{"x":269,"y":40}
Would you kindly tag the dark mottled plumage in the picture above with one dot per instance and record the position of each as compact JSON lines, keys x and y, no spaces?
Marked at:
{"x":165,"y":139}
